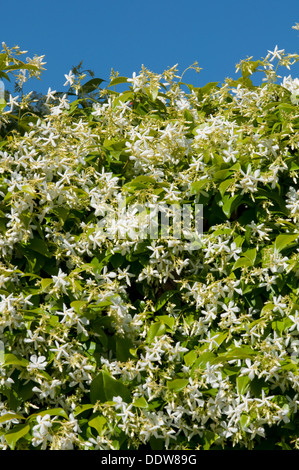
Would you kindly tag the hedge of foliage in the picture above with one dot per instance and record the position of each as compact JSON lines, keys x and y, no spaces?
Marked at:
{"x":117,"y":341}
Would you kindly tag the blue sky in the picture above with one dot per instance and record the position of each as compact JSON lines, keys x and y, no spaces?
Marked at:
{"x":124,"y":35}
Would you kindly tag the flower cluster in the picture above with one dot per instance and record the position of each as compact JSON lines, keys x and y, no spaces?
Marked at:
{"x":116,"y":337}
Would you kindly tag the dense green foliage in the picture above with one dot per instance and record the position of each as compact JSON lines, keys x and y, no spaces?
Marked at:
{"x":112,"y":340}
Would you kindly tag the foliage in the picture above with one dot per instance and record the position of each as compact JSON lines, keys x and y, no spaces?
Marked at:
{"x":114,"y":341}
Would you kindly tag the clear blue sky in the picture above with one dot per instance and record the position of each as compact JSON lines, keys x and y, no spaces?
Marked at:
{"x":124,"y":34}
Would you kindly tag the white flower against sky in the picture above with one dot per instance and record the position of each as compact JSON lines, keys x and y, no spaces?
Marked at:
{"x":70,"y":79}
{"x":51,"y":95}
{"x":276,"y":53}
{"x":13,"y":101}
{"x":138,"y":81}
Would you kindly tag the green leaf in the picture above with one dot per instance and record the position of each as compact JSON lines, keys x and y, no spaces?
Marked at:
{"x":51,"y":412}
{"x":81,"y":408}
{"x":78,"y":305}
{"x":38,"y":245}
{"x":243,"y":383}
{"x":248,"y":68}
{"x":9,"y":417}
{"x":27,"y":188}
{"x":203,"y":359}
{"x":21,"y":65}
{"x":209,"y":437}
{"x":163,"y":299}
{"x":140,"y":182}
{"x":98,"y":423}
{"x":224,"y":185}
{"x":140,"y":403}
{"x":156,"y":329}
{"x":11,"y":359}
{"x":104,"y":387}
{"x":241,"y":262}
{"x":220,"y":175}
{"x":154,"y":93}
{"x":280,"y":325}
{"x":14,"y":434}
{"x":282,"y":241}
{"x":251,"y":255}
{"x":177,"y":385}
{"x":91,"y":85}
{"x":123,"y":346}
{"x":2,"y":60}
{"x":244,"y":421}
{"x":122,"y":98}
{"x":197,"y":186}
{"x":167,"y":320}
{"x":190,"y":357}
{"x":267,"y":308}
{"x":248,"y":259}
{"x":4,"y":75}
{"x":61,"y":212}
{"x":98,"y":264}
{"x":45,"y":283}
{"x":230,"y":204}
{"x":117,"y":260}
{"x":234,"y":354}
{"x":117,"y":81}
{"x":208,"y":88}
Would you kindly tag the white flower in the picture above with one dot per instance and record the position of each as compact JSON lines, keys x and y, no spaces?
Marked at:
{"x":182,"y":103}
{"x":13,"y":101}
{"x":231,"y":308}
{"x":124,"y":274}
{"x":276,"y":53}
{"x":60,"y":282}
{"x":137,"y":81}
{"x":249,"y":181}
{"x":50,"y":95}
{"x":261,"y":230}
{"x":37,"y":362}
{"x":295,"y":320}
{"x":278,"y":305}
{"x":70,"y":78}
{"x":293,"y":203}
{"x":250,"y":370}
{"x":43,"y":424}
{"x":60,"y":350}
{"x":40,"y":431}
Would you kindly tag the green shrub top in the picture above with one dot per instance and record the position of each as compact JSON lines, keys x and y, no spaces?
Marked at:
{"x":116,"y":339}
